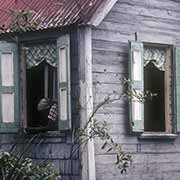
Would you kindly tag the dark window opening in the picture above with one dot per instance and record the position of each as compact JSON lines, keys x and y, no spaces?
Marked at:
{"x":41,"y":96}
{"x":154,"y":109}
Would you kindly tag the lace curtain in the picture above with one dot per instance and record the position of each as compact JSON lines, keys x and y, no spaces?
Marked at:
{"x":37,"y":53}
{"x":156,"y":56}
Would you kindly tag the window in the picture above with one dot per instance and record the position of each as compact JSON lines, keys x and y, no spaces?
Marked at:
{"x":35,"y":85}
{"x":48,"y":85}
{"x":41,"y":85}
{"x":151,"y":69}
{"x":157,"y":79}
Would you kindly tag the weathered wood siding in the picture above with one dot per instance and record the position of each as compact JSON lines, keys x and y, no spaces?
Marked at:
{"x":155,"y":21}
{"x":56,"y":149}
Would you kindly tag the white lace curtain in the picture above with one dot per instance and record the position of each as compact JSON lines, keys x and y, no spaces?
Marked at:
{"x":37,"y":53}
{"x":156,"y":56}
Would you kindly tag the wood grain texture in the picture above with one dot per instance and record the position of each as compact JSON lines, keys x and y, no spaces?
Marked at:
{"x":7,"y":69}
{"x":8,"y":108}
{"x":64,"y":85}
{"x":156,"y":21}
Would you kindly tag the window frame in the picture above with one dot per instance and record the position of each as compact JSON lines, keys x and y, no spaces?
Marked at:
{"x":172,"y":129}
{"x":65,"y":42}
{"x":168,"y":91}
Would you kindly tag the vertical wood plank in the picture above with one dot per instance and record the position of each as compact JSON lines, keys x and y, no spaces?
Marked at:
{"x":63,"y":64}
{"x":86,"y":98}
{"x":168,"y":91}
{"x":63,"y":105}
{"x":7,"y":70}
{"x":23,"y":88}
{"x":8,"y":108}
{"x":177,"y":88}
{"x":46,"y":81}
{"x":63,"y":79}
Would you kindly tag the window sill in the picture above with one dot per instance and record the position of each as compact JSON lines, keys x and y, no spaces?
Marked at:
{"x":157,"y":135}
{"x":46,"y":132}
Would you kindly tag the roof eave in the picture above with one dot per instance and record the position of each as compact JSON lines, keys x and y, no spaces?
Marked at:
{"x":101,"y":12}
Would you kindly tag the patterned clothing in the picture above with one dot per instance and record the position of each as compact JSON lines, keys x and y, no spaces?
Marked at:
{"x":53,"y":112}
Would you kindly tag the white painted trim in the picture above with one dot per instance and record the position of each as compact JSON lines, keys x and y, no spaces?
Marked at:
{"x":89,"y":99}
{"x":101,"y":12}
{"x":86,"y":98}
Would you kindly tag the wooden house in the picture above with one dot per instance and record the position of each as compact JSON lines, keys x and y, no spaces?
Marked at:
{"x":73,"y":54}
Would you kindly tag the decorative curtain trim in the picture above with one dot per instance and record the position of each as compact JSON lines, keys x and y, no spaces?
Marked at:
{"x":37,"y":53}
{"x":156,"y":56}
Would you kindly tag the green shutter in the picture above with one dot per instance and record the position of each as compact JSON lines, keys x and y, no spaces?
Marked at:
{"x":9,"y":95}
{"x":64,"y":85}
{"x":177,"y":87}
{"x":136,"y":74}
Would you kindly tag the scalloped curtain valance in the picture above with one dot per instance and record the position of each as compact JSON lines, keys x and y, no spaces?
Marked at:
{"x":156,"y":56}
{"x":37,"y":53}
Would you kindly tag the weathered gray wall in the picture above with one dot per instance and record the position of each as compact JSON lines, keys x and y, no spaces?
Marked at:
{"x":55,"y":149}
{"x":155,"y":21}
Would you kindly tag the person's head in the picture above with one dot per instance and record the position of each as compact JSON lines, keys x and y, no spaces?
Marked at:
{"x":43,"y":104}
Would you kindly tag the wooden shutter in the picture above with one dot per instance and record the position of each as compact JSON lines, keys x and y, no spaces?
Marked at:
{"x":177,"y":87}
{"x":136,"y":68}
{"x":64,"y":85}
{"x":9,"y":103}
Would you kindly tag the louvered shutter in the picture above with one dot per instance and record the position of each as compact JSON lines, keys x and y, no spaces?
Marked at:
{"x":9,"y":88}
{"x":64,"y":85}
{"x":136,"y":74}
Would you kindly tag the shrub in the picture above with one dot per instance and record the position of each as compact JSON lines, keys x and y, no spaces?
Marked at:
{"x":13,"y":167}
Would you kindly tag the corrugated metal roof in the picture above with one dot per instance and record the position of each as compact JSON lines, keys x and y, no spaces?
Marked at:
{"x":49,"y":13}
